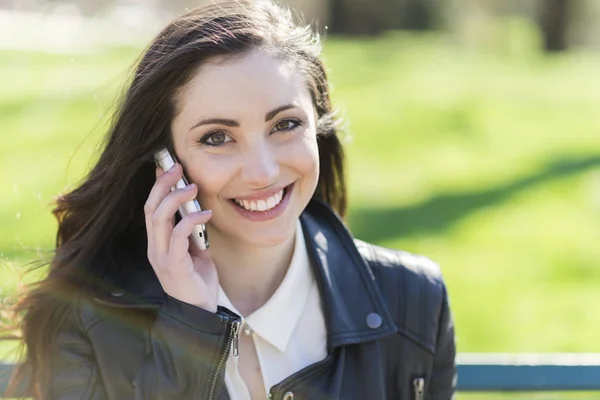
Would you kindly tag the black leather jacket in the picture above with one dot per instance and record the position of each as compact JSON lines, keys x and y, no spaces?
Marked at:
{"x":390,"y":331}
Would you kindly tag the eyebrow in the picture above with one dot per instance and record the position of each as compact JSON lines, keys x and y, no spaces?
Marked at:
{"x":233,"y":123}
{"x":271,"y":114}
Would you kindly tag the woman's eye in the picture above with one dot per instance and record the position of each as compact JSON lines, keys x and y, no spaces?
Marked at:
{"x":215,"y":139}
{"x":286,"y":125}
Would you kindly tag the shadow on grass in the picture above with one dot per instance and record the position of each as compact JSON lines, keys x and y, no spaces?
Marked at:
{"x":376,"y":224}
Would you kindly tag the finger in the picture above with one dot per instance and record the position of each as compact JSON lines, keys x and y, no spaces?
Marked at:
{"x":148,"y":212}
{"x":163,"y":219}
{"x":162,"y":187}
{"x":150,"y":236}
{"x":181,"y":243}
{"x":149,"y":208}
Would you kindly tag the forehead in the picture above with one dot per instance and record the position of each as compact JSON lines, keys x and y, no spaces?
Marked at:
{"x":232,"y":85}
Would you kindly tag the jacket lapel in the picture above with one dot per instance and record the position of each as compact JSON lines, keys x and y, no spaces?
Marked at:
{"x":354,"y":308}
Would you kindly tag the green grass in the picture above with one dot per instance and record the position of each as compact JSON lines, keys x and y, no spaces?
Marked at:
{"x":491,"y":166}
{"x":486,"y":162}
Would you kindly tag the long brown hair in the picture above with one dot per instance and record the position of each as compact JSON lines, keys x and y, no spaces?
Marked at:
{"x":108,"y":205}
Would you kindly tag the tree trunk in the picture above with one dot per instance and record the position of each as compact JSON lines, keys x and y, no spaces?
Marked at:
{"x":554,"y":20}
{"x":357,"y":17}
{"x":416,"y":15}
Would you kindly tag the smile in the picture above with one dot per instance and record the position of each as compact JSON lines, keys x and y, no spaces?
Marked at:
{"x":262,"y":204}
{"x":263,"y":209}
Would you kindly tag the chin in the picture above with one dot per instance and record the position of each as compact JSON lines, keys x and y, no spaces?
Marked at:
{"x":271,"y":237}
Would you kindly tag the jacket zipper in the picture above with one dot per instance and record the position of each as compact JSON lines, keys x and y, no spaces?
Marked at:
{"x":419,"y":386}
{"x":234,"y":337}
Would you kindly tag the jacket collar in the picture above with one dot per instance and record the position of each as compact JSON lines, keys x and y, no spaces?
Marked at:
{"x":354,"y":308}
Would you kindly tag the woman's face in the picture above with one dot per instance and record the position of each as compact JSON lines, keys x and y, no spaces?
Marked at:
{"x":246,"y":135}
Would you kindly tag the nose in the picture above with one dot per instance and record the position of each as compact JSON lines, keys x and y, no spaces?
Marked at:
{"x":261,"y":166}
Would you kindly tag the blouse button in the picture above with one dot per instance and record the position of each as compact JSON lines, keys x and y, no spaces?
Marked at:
{"x":247,"y":330}
{"x":288,"y":396}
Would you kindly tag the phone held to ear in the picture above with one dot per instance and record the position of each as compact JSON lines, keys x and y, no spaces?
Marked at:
{"x":165,"y":160}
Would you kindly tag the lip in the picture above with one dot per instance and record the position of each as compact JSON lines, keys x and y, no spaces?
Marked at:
{"x":261,"y":195}
{"x":269,"y":214}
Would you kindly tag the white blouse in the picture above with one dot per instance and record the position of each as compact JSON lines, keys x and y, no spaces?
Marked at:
{"x":288,"y":330}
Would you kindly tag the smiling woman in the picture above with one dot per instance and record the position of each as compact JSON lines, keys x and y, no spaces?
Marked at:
{"x":285,"y":304}
{"x":258,"y":133}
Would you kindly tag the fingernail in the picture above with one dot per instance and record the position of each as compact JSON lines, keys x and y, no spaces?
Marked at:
{"x":173,"y":167}
{"x":190,"y":186}
{"x":202,"y":214}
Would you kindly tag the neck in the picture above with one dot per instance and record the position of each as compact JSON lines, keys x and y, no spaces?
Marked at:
{"x":250,"y":275}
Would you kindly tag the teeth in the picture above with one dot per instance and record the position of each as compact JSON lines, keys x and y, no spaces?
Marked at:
{"x":261,"y":205}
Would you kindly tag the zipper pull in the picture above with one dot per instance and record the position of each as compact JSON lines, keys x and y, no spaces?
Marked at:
{"x":419,"y":385}
{"x":235,"y":332}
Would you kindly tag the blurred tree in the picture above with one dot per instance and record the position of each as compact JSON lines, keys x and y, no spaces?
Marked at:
{"x":370,"y":17}
{"x":415,"y":14}
{"x":554,"y":20}
{"x":357,"y":17}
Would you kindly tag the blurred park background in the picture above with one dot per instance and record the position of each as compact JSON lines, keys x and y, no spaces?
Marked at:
{"x":473,"y":137}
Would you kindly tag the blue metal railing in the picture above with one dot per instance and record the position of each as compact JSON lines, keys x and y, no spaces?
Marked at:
{"x":528,"y":372}
{"x":503,"y":372}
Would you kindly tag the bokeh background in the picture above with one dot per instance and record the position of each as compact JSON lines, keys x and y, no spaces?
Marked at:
{"x":472,"y":136}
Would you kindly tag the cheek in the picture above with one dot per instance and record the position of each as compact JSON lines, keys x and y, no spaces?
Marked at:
{"x":203,"y":172}
{"x":312,"y":148}
{"x":314,"y":154}
{"x":305,"y":157}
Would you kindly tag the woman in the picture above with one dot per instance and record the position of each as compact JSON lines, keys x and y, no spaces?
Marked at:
{"x":285,"y":304}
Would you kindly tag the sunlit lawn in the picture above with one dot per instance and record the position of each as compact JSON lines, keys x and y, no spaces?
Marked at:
{"x":488,"y":163}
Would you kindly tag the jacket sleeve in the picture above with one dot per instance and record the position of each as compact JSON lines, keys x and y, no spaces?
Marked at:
{"x":188,"y":348}
{"x":73,"y":371}
{"x":443,"y":377}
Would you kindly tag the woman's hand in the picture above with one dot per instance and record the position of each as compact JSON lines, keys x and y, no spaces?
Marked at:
{"x":184,"y":271}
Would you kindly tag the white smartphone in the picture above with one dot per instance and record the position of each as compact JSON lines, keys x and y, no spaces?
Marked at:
{"x":165,"y":160}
